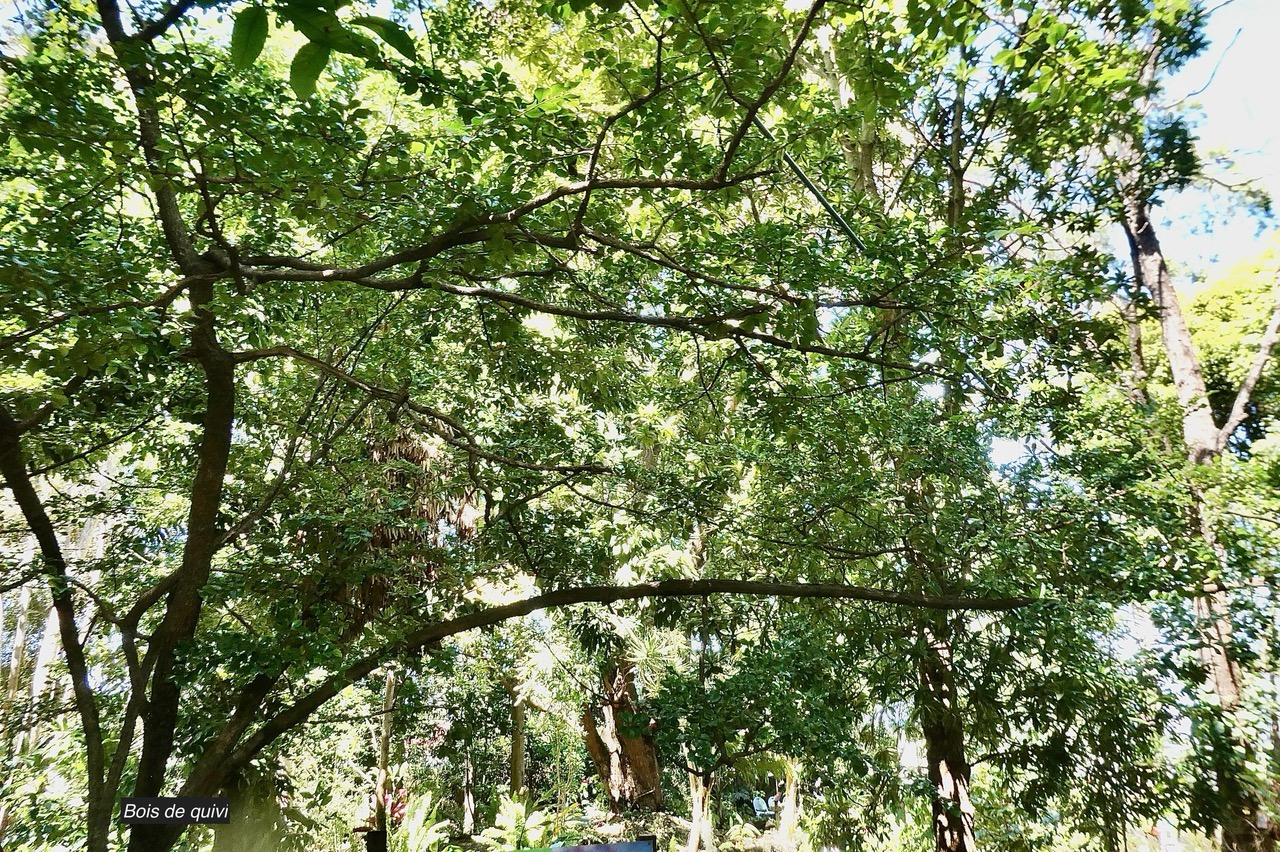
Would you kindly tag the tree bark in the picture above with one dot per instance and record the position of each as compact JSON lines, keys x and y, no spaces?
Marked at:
{"x":468,"y":794}
{"x":185,"y":602}
{"x":13,"y":466}
{"x":626,"y":761}
{"x":1199,"y":431}
{"x":1137,"y":360}
{"x":26,"y":724}
{"x":943,"y":728}
{"x":40,"y":677}
{"x":519,"y":730}
{"x":1204,"y":442}
{"x":702,"y":829}
{"x":255,"y":818}
{"x":18,"y":659}
{"x":384,"y":754}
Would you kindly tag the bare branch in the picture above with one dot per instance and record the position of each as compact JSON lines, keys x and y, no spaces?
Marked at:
{"x":162,"y":301}
{"x":176,"y":235}
{"x":45,"y":411}
{"x":1251,"y":378}
{"x":18,"y":582}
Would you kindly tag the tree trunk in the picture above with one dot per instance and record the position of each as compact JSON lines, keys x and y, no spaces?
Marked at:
{"x":1198,"y":428}
{"x":789,"y":818}
{"x":695,"y":813}
{"x":384,"y":754}
{"x":468,"y":794}
{"x":626,"y":761}
{"x":943,"y":727}
{"x":702,"y":829}
{"x":40,"y":677}
{"x":184,"y":602}
{"x":518,"y":736}
{"x":1204,"y":440}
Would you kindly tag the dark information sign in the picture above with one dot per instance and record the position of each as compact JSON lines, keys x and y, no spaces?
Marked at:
{"x":646,"y":845}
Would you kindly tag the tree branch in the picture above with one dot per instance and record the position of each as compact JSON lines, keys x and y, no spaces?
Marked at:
{"x":162,"y":301}
{"x":161,"y":25}
{"x":469,"y":232}
{"x":13,"y":467}
{"x":770,"y":89}
{"x":139,"y":78}
{"x":44,"y":412}
{"x":709,"y":328}
{"x":1251,"y":378}
{"x":201,"y":783}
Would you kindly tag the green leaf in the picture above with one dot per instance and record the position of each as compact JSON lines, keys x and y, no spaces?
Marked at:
{"x":390,"y":32}
{"x":249,"y":35}
{"x":308,"y":64}
{"x":324,"y":28}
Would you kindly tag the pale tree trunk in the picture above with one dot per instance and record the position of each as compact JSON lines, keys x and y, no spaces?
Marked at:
{"x":1199,"y":431}
{"x":702,"y":829}
{"x":468,"y":794}
{"x":89,"y":546}
{"x":943,"y":727}
{"x":256,"y":818}
{"x":40,"y":678}
{"x":627,"y":765}
{"x":695,"y":813}
{"x":1204,"y":441}
{"x":857,"y":144}
{"x":789,"y":819}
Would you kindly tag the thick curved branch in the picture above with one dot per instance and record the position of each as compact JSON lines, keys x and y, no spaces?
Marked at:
{"x":45,"y":411}
{"x":282,"y":268}
{"x":652,"y":254}
{"x":13,"y":467}
{"x":162,"y":301}
{"x":469,"y":232}
{"x":202,"y":782}
{"x":707,"y":327}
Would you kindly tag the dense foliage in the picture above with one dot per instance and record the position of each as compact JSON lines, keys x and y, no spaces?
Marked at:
{"x":467,"y":419}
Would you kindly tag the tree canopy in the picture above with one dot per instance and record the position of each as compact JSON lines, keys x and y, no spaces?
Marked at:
{"x":503,"y":394}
